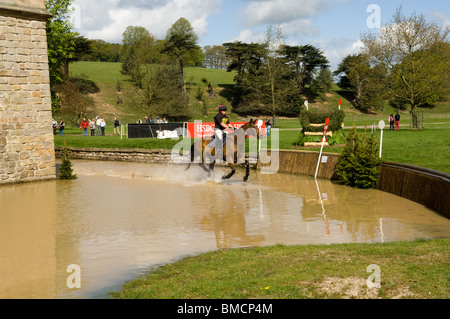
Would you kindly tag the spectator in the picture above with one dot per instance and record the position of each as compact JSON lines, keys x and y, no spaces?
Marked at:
{"x":84,"y":126}
{"x":61,"y":126}
{"x":268,"y":126}
{"x":397,"y":121}
{"x":103,"y":126}
{"x":116,"y":126}
{"x":55,"y":125}
{"x":98,"y":123}
{"x":92,"y":126}
{"x":391,"y":121}
{"x":165,"y":121}
{"x":139,"y":121}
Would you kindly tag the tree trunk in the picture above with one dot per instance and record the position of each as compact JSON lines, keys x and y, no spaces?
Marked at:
{"x":180,"y":62}
{"x":415,"y":123}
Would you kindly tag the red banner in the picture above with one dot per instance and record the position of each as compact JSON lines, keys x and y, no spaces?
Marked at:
{"x":201,"y":129}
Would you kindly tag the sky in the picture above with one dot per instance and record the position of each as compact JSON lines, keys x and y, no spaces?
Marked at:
{"x":333,"y":26}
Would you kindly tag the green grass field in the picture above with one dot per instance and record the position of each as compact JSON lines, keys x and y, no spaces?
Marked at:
{"x":414,"y":270}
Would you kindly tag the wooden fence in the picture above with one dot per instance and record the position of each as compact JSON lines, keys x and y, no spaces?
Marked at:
{"x":425,"y":186}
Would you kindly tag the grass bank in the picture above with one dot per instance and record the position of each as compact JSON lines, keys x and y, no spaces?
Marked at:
{"x":416,"y":270}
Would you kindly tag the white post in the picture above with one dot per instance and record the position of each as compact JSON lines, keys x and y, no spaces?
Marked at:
{"x":323,"y":142}
{"x":381,"y":125}
{"x":381,"y":142}
{"x":260,"y":124}
{"x":320,"y":157}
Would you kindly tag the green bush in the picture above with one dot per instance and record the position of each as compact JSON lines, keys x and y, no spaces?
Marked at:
{"x":66,"y":171}
{"x":314,"y":117}
{"x":359,"y":162}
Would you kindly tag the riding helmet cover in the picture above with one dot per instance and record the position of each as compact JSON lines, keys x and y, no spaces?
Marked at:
{"x":222,"y":108}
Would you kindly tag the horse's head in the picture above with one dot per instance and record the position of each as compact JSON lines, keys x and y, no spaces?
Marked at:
{"x":251,"y":129}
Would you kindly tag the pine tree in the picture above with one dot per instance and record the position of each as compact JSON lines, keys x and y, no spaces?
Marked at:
{"x":66,"y":171}
{"x":359,"y":162}
{"x":368,"y":162}
{"x":345,"y":168}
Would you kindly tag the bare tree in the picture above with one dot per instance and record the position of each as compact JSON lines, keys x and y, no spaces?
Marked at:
{"x":416,"y":55}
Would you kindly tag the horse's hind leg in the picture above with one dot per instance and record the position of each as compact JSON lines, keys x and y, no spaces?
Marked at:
{"x":233,"y":170}
{"x":202,"y":165}
{"x":211,"y":169}
{"x":247,"y":170}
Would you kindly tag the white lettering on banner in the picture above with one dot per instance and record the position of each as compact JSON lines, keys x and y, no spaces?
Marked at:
{"x":199,"y":129}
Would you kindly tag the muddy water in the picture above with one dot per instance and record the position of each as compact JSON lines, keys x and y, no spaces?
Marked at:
{"x":118,"y":219}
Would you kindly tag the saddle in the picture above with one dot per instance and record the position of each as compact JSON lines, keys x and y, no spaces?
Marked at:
{"x":212,"y":141}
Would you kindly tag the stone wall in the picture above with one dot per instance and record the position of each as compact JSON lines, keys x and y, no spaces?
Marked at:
{"x":26,"y":138}
{"x":156,"y":156}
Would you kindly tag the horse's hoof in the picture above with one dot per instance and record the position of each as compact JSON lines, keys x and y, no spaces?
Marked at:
{"x":245,"y":178}
{"x":225,"y":177}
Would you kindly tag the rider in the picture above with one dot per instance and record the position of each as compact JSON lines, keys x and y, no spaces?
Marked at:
{"x":221,"y":122}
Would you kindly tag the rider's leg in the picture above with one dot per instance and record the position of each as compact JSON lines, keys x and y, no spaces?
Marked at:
{"x":219,"y":143}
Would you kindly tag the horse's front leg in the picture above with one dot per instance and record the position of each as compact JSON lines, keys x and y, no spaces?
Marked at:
{"x":233,"y":170}
{"x":211,"y":169}
{"x":207,"y":154}
{"x":247,"y":170}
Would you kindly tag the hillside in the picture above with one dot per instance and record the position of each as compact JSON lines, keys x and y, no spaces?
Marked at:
{"x":114,"y":86}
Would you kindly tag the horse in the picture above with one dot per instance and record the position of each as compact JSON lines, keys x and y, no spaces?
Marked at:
{"x":233,"y":150}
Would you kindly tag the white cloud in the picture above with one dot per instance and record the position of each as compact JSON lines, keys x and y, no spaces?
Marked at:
{"x":442,"y":19}
{"x":283,"y":11}
{"x":337,"y":50}
{"x":107,"y":19}
{"x":248,"y":36}
{"x":302,"y":26}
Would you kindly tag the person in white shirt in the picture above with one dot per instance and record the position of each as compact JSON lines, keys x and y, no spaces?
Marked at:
{"x":99,"y":125}
{"x":103,"y":126}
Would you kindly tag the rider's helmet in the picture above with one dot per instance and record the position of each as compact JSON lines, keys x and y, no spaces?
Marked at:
{"x":222,"y":108}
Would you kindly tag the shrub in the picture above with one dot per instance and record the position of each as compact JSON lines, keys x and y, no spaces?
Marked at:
{"x":66,"y":171}
{"x":359,"y":162}
{"x":314,"y":117}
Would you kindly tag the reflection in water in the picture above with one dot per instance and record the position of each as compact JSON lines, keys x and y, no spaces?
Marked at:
{"x":119,"y":219}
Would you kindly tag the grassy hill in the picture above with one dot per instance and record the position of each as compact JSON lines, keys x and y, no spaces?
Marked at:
{"x":108,"y":78}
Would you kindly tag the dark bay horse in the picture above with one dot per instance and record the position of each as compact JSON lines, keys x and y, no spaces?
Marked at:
{"x":233,"y":150}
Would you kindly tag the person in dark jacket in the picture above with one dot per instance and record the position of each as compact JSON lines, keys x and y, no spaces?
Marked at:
{"x":397,"y":121}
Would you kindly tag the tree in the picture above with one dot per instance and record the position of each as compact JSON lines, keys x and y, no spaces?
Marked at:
{"x":82,"y":50}
{"x":359,"y":162}
{"x":264,"y":82}
{"x":247,"y":61}
{"x":304,"y":62}
{"x":276,"y":83}
{"x":215,"y":57}
{"x":103,"y":51}
{"x":321,"y":85}
{"x":180,"y":40}
{"x":365,"y":81}
{"x":161,"y":93}
{"x":415,"y":54}
{"x":139,"y":48}
{"x":66,"y":170}
{"x":60,"y":43}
